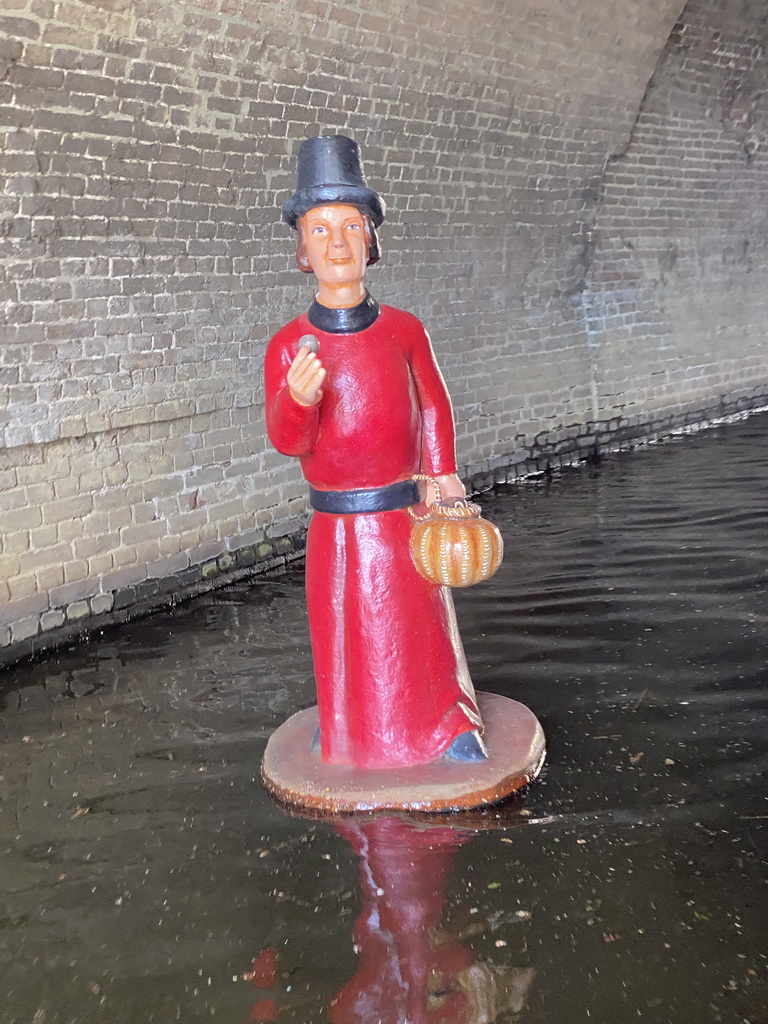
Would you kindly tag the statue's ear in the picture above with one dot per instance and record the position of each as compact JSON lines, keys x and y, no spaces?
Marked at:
{"x":372,"y":238}
{"x":301,"y":249}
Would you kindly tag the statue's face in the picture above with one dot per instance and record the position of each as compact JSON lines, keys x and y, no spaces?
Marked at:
{"x":337,"y":250}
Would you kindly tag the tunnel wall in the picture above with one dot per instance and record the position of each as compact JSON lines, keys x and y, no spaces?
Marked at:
{"x":676,"y":303}
{"x":576,"y":211}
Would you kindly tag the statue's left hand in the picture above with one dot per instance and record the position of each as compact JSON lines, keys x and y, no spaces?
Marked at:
{"x":450,"y":486}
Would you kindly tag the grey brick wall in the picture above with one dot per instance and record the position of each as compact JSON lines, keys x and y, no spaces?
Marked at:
{"x":577,"y":197}
{"x":677,"y":288}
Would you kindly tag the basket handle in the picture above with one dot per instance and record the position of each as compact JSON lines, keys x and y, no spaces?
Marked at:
{"x":463,"y":509}
{"x":429,"y":479}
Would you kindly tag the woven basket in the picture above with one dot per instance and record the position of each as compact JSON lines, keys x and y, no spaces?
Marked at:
{"x":453,"y":545}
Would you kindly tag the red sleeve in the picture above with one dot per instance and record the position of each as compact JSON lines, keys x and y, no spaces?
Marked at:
{"x":292,"y":427}
{"x":438,"y":436}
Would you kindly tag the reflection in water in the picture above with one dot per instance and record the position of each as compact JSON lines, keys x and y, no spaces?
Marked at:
{"x":411,"y":969}
{"x":142,"y":864}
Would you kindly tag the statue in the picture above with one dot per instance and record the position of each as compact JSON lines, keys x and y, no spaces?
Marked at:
{"x":353,"y":390}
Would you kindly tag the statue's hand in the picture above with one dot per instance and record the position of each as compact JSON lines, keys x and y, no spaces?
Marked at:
{"x":305,"y":377}
{"x":450,"y":486}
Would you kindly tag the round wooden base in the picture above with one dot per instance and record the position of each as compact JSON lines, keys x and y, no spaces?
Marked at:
{"x":296,"y":776}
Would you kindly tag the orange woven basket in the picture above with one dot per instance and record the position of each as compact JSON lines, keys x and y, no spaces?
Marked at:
{"x":453,"y":545}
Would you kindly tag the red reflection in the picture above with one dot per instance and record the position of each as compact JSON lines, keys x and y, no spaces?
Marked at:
{"x":264,"y":969}
{"x":402,"y":976}
{"x":410,"y":970}
{"x":264,"y":1010}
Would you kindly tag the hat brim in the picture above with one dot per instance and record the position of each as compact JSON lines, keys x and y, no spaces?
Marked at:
{"x":321,"y":195}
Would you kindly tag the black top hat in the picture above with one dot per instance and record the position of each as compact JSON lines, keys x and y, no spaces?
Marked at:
{"x":330,"y":171}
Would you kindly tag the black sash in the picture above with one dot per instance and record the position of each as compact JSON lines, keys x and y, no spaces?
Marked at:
{"x":376,"y":499}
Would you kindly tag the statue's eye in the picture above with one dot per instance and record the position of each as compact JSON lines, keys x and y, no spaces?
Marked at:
{"x":318,"y":229}
{"x":354,"y":226}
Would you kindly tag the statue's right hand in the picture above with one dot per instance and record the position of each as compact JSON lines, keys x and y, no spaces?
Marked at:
{"x":305,"y":377}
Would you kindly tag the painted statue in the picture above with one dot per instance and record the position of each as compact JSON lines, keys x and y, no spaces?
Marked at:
{"x":353,"y":391}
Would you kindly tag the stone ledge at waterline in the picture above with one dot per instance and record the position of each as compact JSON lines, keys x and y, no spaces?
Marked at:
{"x":28,"y":636}
{"x":25,"y":632}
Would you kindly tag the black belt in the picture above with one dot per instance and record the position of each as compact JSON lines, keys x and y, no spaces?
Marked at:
{"x":376,"y":499}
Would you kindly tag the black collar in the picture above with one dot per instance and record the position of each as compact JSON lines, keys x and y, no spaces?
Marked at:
{"x":351,"y":320}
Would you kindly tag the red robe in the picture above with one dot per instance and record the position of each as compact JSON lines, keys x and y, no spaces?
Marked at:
{"x":392,"y":682}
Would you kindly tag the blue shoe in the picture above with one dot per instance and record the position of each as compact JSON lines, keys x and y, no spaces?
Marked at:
{"x":468,"y":746}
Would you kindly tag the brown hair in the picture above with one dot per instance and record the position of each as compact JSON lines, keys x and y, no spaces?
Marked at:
{"x":371,"y":237}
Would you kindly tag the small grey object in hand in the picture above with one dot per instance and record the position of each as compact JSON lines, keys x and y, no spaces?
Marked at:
{"x":309,"y":341}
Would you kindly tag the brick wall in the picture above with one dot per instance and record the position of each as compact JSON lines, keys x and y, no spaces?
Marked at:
{"x":677,"y":295}
{"x":577,"y":212}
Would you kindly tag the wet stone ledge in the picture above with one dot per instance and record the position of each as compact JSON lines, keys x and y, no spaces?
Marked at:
{"x":558,"y":449}
{"x":550,"y":452}
{"x":57,"y":626}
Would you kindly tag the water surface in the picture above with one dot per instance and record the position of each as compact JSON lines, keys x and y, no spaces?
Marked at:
{"x":147,"y":877}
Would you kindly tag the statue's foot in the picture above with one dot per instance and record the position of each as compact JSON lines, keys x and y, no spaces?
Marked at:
{"x":468,"y":746}
{"x":316,"y":741}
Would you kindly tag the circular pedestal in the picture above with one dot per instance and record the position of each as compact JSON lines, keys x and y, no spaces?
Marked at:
{"x":297,"y":776}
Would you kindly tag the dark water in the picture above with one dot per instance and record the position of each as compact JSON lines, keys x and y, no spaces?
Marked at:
{"x":147,"y":877}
